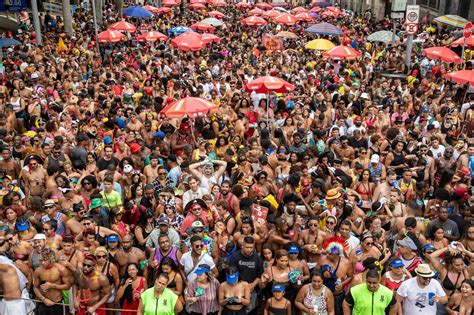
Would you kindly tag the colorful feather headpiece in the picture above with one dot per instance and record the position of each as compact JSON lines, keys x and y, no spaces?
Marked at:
{"x":335,"y":245}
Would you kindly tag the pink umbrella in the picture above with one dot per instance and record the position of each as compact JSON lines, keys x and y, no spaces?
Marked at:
{"x":198,"y":1}
{"x":442,"y":53}
{"x":210,"y":38}
{"x":151,"y":8}
{"x":218,"y":3}
{"x":316,"y":10}
{"x":342,"y":52}
{"x":462,"y":76}
{"x":334,"y":9}
{"x":189,"y":106}
{"x":256,"y":11}
{"x":110,"y":36}
{"x":254,"y":21}
{"x":202,"y":26}
{"x":287,"y":19}
{"x":152,"y":36}
{"x":216,"y":14}
{"x":305,"y":16}
{"x":169,"y":3}
{"x":197,"y":6}
{"x":163,"y":10}
{"x":243,"y":5}
{"x":298,"y":10}
{"x":263,"y":6}
{"x":271,"y":14}
{"x":123,"y":26}
{"x":188,"y":41}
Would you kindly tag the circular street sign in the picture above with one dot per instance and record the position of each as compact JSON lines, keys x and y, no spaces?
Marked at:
{"x":467,"y":30}
{"x":412,"y":16}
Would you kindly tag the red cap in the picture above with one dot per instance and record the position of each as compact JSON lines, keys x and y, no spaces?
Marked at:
{"x":135,"y":147}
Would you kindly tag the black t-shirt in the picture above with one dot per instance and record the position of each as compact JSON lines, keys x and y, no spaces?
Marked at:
{"x":102,"y":163}
{"x":250,"y":268}
{"x":168,"y":129}
{"x":361,"y":143}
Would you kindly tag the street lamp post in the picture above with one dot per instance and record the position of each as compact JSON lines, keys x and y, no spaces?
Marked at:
{"x":94,"y":14}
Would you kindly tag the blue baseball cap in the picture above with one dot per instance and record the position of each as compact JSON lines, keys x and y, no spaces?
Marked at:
{"x":159,"y":134}
{"x":201,"y":270}
{"x":428,"y":247}
{"x":232,"y":278}
{"x":22,"y":226}
{"x":293,"y":250}
{"x":278,"y":288}
{"x":112,"y":238}
{"x":397,"y":263}
{"x":107,"y":140}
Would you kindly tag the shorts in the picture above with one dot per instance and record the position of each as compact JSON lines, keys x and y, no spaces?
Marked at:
{"x":68,"y":298}
{"x":43,"y":309}
{"x":17,"y":307}
{"x":83,"y":310}
{"x":113,"y":295}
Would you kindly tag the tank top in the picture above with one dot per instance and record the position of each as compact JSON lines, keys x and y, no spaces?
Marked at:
{"x":394,"y":284}
{"x":316,"y":302}
{"x":53,"y":162}
{"x":16,"y":105}
{"x":172,"y":254}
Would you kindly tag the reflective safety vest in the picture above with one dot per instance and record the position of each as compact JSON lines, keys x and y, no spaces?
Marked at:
{"x":370,"y":303}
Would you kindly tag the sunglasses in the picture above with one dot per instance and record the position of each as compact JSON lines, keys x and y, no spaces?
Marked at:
{"x":312,"y":224}
{"x":87,"y":183}
{"x":198,"y":230}
{"x":196,"y":208}
{"x":81,"y":212}
{"x":48,"y":207}
{"x":330,"y":223}
{"x":88,"y":266}
{"x":198,"y":246}
{"x":160,"y":173}
{"x":369,"y":244}
{"x":101,"y":256}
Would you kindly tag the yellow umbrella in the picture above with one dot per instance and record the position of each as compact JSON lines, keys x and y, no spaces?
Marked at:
{"x":319,"y":44}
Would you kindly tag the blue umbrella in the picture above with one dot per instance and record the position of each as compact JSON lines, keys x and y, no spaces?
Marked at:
{"x":178,"y":30}
{"x":322,"y":4}
{"x":137,"y":12}
{"x":5,"y":42}
{"x":324,"y":28}
{"x":315,"y":15}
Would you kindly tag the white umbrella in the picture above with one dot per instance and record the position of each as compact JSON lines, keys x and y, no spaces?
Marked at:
{"x":382,"y":36}
{"x":213,"y":21}
{"x":281,"y":9}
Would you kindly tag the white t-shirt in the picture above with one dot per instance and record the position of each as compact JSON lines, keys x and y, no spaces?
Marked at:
{"x":189,"y":268}
{"x":416,"y":299}
{"x":437,"y":153}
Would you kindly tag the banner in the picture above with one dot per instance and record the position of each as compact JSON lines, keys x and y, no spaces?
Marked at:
{"x":259,"y":213}
{"x":12,"y":5}
{"x":272,"y":43}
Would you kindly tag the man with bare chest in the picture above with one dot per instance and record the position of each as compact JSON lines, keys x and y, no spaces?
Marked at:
{"x":383,"y":190}
{"x":91,"y":290}
{"x":345,"y":152}
{"x":8,"y":165}
{"x":74,"y":225}
{"x":34,"y":176}
{"x":48,"y":282}
{"x":128,"y":254}
{"x":151,"y":171}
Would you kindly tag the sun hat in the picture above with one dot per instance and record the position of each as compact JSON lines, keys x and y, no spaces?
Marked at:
{"x":95,"y":203}
{"x":424,"y":270}
{"x":333,"y":194}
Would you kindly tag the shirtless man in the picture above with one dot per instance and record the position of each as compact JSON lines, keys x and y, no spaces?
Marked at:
{"x":128,"y":254}
{"x":74,"y":225}
{"x":147,"y":133}
{"x":383,"y":190}
{"x":72,"y":259}
{"x":25,"y":92}
{"x":151,"y":170}
{"x":343,"y":270}
{"x":311,"y":241}
{"x":10,"y":288}
{"x":91,"y":290}
{"x":344,"y":151}
{"x":8,"y":165}
{"x":34,"y":176}
{"x":69,"y":199}
{"x":134,"y":124}
{"x":48,"y":282}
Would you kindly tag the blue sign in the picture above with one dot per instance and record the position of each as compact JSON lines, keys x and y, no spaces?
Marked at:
{"x":12,"y":5}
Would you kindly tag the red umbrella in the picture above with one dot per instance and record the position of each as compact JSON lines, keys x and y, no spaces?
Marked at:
{"x":163,"y":10}
{"x":316,"y":9}
{"x":169,"y":3}
{"x":152,"y":36}
{"x":298,"y":10}
{"x":243,"y":5}
{"x":198,"y":1}
{"x":151,"y":8}
{"x":460,"y":42}
{"x":188,"y":41}
{"x":123,"y":26}
{"x":305,"y":16}
{"x":442,"y":53}
{"x":287,"y":19}
{"x":216,"y":14}
{"x":210,"y":38}
{"x":342,"y":52}
{"x":334,"y":9}
{"x":269,"y":84}
{"x":218,"y":3}
{"x":256,"y":11}
{"x":462,"y":76}
{"x":197,"y":6}
{"x":254,"y":21}
{"x":189,"y":106}
{"x":202,"y":26}
{"x":263,"y":6}
{"x":271,"y":14}
{"x":110,"y":36}
{"x":326,"y":14}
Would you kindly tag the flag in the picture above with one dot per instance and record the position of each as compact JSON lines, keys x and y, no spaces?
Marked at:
{"x":61,"y":46}
{"x":372,"y":60}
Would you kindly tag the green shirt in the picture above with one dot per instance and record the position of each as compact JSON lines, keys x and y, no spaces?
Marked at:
{"x":164,"y":305}
{"x":365,"y":302}
{"x":111,"y":200}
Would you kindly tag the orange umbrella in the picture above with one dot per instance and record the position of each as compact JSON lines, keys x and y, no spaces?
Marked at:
{"x":163,"y":10}
{"x":272,"y":14}
{"x":243,"y":5}
{"x":460,"y":42}
{"x":202,"y":26}
{"x":254,"y":21}
{"x":305,"y":16}
{"x":442,"y":53}
{"x":189,"y":106}
{"x":123,"y":26}
{"x":256,"y":11}
{"x":269,"y":84}
{"x":342,"y":52}
{"x":216,"y":14}
{"x":263,"y":6}
{"x":110,"y":36}
{"x":197,"y":6}
{"x":210,"y":38}
{"x":462,"y":76}
{"x":169,"y":3}
{"x":152,"y":36}
{"x":298,"y":10}
{"x":151,"y":8}
{"x":188,"y":41}
{"x":287,"y":19}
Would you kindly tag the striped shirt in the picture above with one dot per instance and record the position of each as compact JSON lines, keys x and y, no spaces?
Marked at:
{"x":208,"y":302}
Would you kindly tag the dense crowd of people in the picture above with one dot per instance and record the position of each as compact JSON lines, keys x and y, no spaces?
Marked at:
{"x":350,"y":195}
